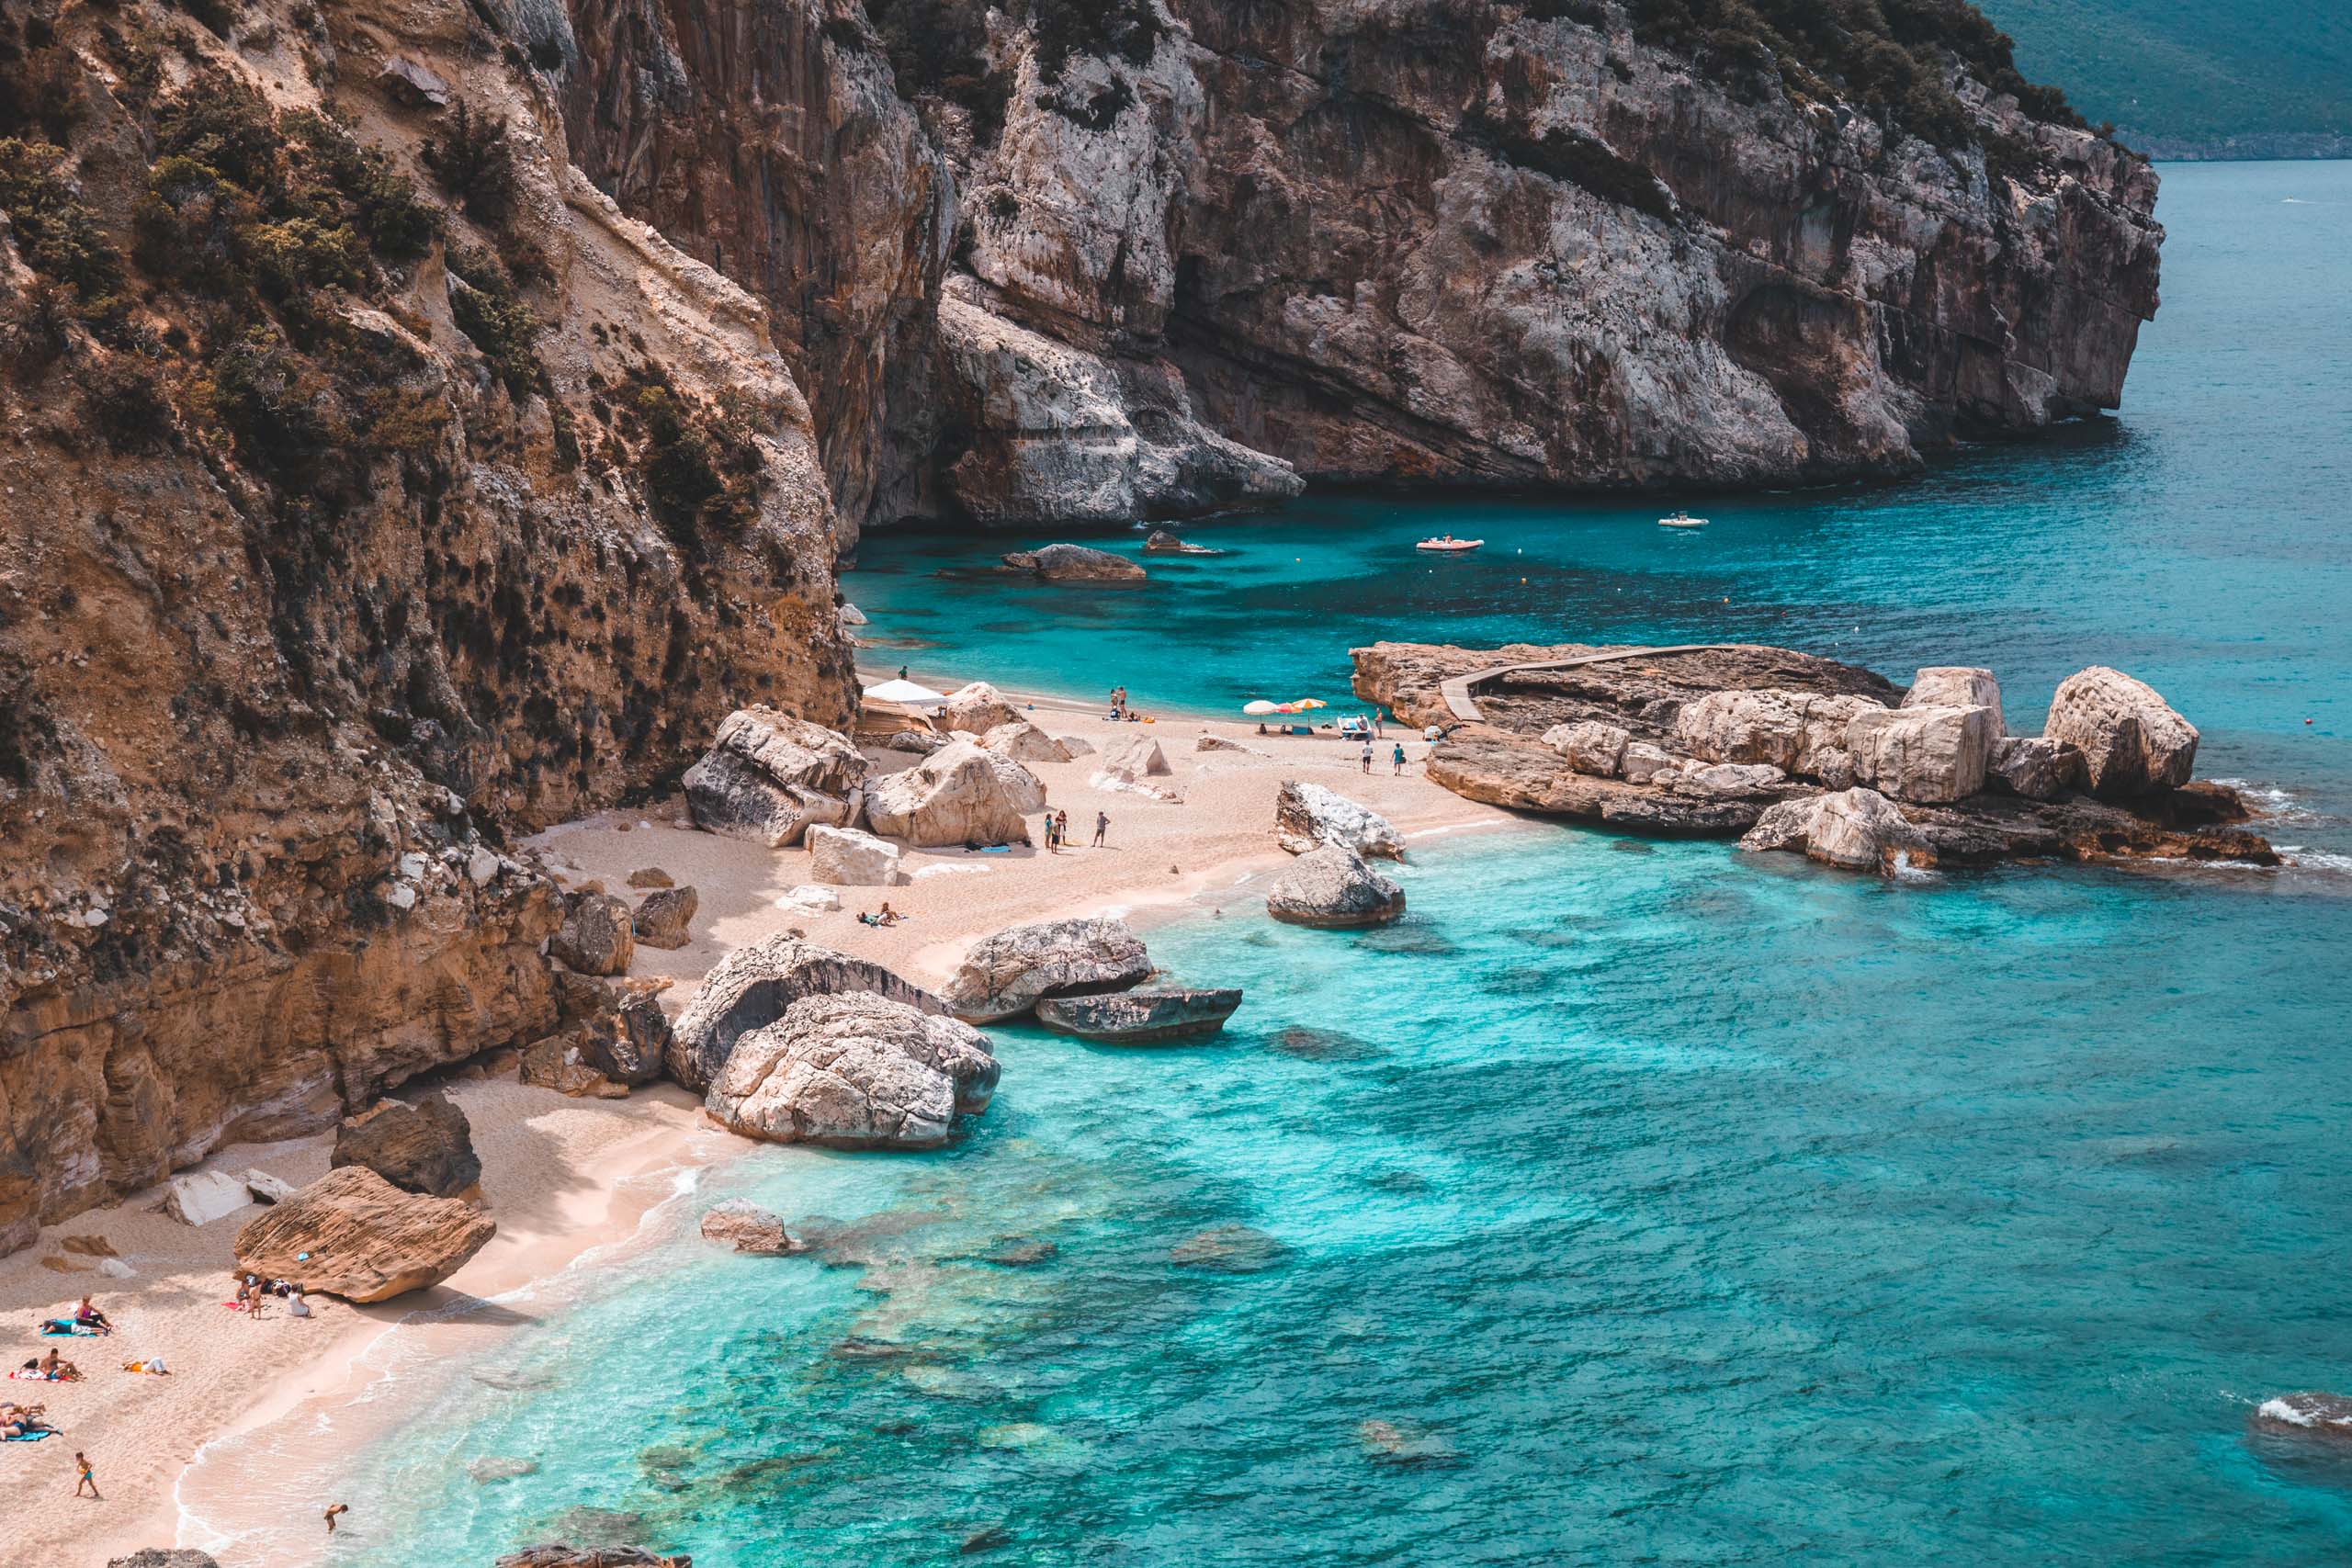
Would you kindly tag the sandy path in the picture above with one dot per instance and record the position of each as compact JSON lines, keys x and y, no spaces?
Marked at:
{"x":564,"y":1177}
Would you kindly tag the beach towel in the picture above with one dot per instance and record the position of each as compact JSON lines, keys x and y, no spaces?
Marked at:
{"x":59,"y":1330}
{"x":23,"y":1374}
{"x":28,"y":1437}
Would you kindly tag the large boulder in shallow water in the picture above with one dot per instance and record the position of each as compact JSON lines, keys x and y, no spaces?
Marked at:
{"x":1004,"y":975}
{"x":1923,"y":753}
{"x":1162,"y":1016}
{"x":1308,"y":816}
{"x":1860,"y":829}
{"x":854,"y":1070}
{"x":1331,"y":887}
{"x":752,"y":986}
{"x":958,"y":794}
{"x":769,"y":775}
{"x":427,"y":1148}
{"x":2131,"y":740}
{"x":1075,"y":563}
{"x":354,"y":1235}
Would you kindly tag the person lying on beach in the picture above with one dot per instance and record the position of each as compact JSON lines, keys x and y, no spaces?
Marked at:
{"x":151,"y":1365}
{"x":16,"y":1420}
{"x":89,"y":1316}
{"x":886,"y":916}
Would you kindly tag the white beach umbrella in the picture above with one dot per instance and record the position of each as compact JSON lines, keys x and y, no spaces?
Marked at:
{"x":904,"y":692}
{"x":1260,"y":705}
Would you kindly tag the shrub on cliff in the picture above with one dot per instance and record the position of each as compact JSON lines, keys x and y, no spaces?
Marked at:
{"x":1889,"y":58}
{"x":489,"y":310}
{"x":56,"y":232}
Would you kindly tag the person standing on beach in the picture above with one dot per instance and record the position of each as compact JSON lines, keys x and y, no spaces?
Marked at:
{"x":1397,"y":758}
{"x":89,"y":1477}
{"x":332,"y":1511}
{"x":1101,"y":825}
{"x":1367,"y":754}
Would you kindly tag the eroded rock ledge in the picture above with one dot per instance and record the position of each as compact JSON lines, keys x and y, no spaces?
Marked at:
{"x":1796,"y":751}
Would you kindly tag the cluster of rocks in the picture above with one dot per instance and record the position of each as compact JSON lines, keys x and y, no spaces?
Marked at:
{"x":1329,"y":885}
{"x":1129,"y":766}
{"x":781,"y":780}
{"x":1791,"y":752}
{"x":1086,"y":977}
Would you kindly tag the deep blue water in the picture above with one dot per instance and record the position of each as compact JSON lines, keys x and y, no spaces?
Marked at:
{"x":1629,"y":1202}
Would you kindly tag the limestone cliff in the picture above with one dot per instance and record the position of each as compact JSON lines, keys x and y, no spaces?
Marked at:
{"x":372,"y":489}
{"x":1201,"y":248}
{"x":421,"y":422}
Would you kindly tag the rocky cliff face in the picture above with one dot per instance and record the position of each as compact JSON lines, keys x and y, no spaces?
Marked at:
{"x":1200,"y":249}
{"x":357,"y":509}
{"x":417,"y":424}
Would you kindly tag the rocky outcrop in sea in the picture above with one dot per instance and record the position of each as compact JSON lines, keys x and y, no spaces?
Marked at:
{"x":1787,"y":750}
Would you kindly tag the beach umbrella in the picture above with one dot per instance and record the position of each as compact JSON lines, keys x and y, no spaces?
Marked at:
{"x":904,"y":692}
{"x":1260,"y":707}
{"x":1303,"y":705}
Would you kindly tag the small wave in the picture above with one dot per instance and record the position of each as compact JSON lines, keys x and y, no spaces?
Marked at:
{"x":953,"y":871}
{"x":2269,"y":799}
{"x":2279,"y":1410}
{"x":2320,"y":861}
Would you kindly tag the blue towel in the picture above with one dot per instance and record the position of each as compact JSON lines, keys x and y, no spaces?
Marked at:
{"x":27,"y":1437}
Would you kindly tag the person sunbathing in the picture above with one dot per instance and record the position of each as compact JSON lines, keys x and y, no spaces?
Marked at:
{"x":57,"y":1368}
{"x":18,"y":1420}
{"x":91,"y":1317}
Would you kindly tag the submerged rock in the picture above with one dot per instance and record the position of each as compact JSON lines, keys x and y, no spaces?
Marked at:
{"x":752,"y":986}
{"x":769,"y":775}
{"x":1156,"y":1017}
{"x":164,"y":1557}
{"x":747,"y":1227}
{"x":1229,"y":1249}
{"x":1308,"y":816}
{"x":1161,"y":542}
{"x":491,"y":1468}
{"x":427,"y":1148}
{"x":2310,"y":1414}
{"x":854,"y":1070}
{"x":354,"y":1235}
{"x":1075,"y":563}
{"x":1003,"y":976}
{"x":2131,"y":740}
{"x":1331,"y":887}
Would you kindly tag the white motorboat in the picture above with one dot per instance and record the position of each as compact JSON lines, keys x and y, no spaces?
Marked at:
{"x":1447,"y":544}
{"x":1682,"y":519}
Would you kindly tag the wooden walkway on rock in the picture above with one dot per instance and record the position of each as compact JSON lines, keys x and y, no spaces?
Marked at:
{"x":1456,"y":692}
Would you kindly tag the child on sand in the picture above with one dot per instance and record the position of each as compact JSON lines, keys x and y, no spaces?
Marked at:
{"x":332,"y":1511}
{"x":89,"y":1477}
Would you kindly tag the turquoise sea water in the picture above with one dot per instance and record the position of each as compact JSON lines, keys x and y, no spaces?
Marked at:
{"x":1629,"y":1202}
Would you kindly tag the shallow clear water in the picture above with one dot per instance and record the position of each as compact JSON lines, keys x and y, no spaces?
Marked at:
{"x":1629,"y":1202}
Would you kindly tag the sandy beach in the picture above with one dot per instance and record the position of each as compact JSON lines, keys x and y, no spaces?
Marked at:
{"x":564,"y":1177}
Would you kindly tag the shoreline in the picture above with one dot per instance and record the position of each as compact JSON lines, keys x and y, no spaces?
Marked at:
{"x":194,"y":1459}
